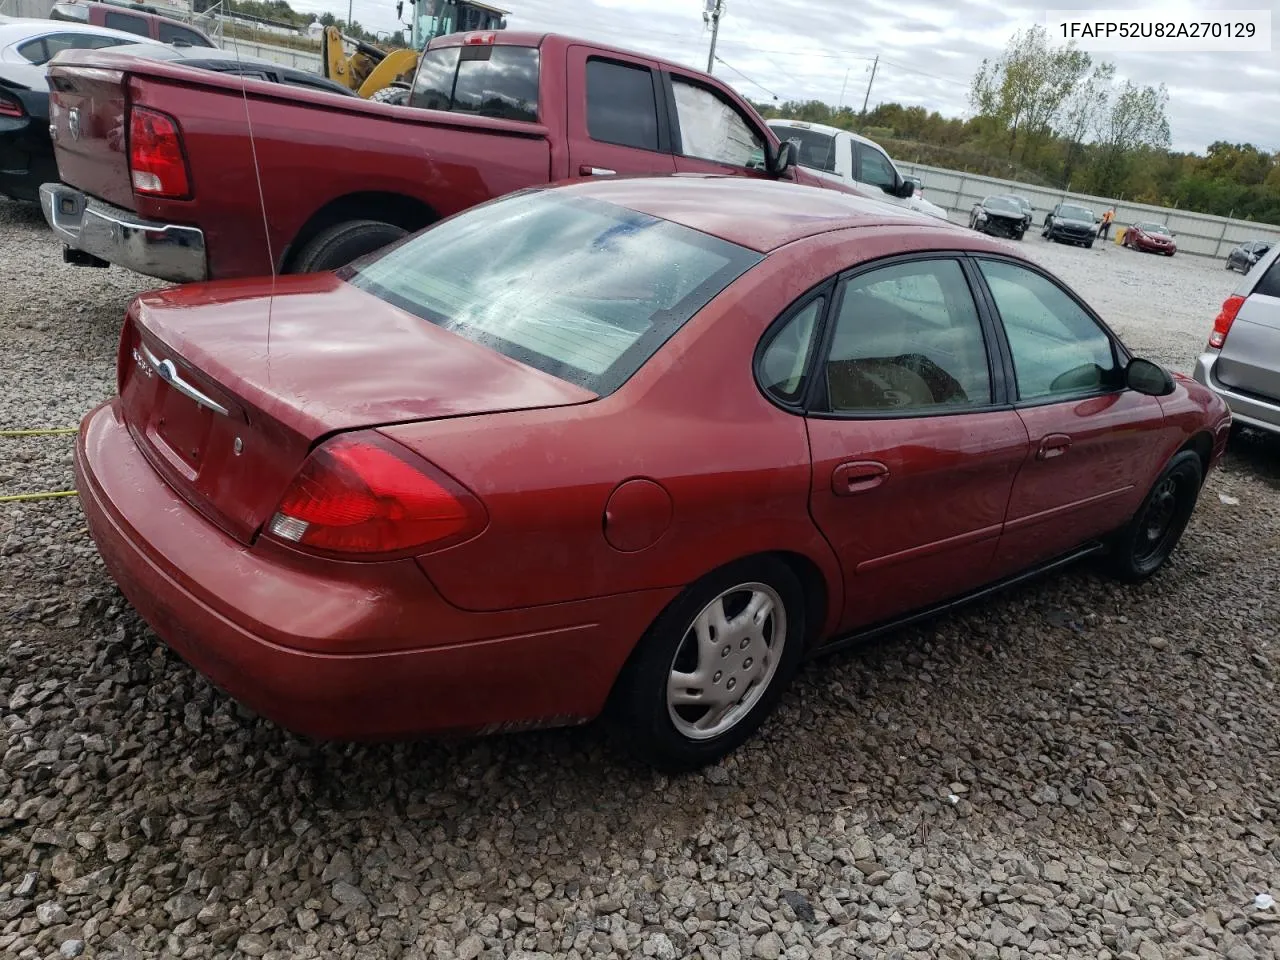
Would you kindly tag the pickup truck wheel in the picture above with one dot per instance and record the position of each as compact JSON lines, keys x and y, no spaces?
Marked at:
{"x":338,"y":245}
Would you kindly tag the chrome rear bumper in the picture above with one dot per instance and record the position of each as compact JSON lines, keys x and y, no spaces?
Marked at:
{"x":1252,"y":411}
{"x":162,"y":250}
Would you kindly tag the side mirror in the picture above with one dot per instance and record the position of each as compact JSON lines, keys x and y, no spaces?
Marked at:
{"x":783,"y":159}
{"x":1143,"y":376}
{"x":905,"y":190}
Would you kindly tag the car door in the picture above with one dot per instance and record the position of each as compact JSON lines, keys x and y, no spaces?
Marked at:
{"x":875,"y":173}
{"x":914,"y":448}
{"x":1092,"y":441}
{"x":617,"y":117}
{"x":709,"y":132}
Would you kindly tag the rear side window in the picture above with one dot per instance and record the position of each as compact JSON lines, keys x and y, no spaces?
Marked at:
{"x":44,"y":49}
{"x":172,"y":33}
{"x":622,"y":107}
{"x":580,"y":289}
{"x":817,"y":150}
{"x":1269,"y":282}
{"x":491,"y":81}
{"x":128,"y":23}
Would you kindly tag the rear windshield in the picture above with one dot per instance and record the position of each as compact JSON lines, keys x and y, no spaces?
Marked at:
{"x":575,"y":287}
{"x":489,"y":80}
{"x":817,"y":150}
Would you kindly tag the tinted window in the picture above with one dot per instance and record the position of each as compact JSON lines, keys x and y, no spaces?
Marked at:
{"x":34,"y":51}
{"x":783,"y":363}
{"x":1057,"y":347}
{"x":875,"y":167}
{"x":128,"y":23}
{"x":584,"y":290}
{"x":711,"y":128}
{"x":44,"y":49}
{"x":621,"y":105}
{"x":1269,"y":284}
{"x":171,"y":33}
{"x":496,"y":81}
{"x":817,"y":150}
{"x":907,"y":338}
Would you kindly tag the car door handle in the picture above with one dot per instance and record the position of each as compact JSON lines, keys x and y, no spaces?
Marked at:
{"x":1054,"y":445}
{"x":858,"y":476}
{"x":588,"y":171}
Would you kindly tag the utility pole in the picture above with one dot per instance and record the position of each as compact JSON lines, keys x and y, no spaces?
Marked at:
{"x":711,"y":14}
{"x":869,"y":83}
{"x":844,"y":86}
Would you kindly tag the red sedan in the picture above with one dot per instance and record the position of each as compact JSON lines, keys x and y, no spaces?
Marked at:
{"x":1150,"y":238}
{"x":640,"y":443}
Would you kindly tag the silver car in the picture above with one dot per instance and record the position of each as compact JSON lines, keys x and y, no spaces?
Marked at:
{"x":1242,"y":361}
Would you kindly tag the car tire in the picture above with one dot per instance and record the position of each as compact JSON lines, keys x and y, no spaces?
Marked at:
{"x":1088,"y":245}
{"x":1019,"y":235}
{"x":338,"y":245}
{"x":665,"y":733}
{"x":395,"y":95}
{"x":1147,"y":541}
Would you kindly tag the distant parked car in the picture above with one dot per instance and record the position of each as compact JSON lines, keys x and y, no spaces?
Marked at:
{"x":136,"y":18}
{"x":1071,"y":223}
{"x":26,"y":46}
{"x":1150,"y":237}
{"x":1243,"y":257}
{"x":1024,"y":203}
{"x":1001,"y":216}
{"x":1242,"y":360}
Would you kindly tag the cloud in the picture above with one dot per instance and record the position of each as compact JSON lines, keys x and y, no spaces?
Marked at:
{"x":929,"y":50}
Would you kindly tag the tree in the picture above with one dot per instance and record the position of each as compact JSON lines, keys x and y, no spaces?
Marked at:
{"x":1080,"y":115}
{"x":1026,"y":87}
{"x":1134,"y":119}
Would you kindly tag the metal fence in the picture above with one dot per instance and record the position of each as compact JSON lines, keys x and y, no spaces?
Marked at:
{"x":1197,"y":233}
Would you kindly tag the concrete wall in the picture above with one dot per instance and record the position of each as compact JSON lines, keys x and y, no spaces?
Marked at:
{"x":1196,"y":232}
{"x":38,"y":9}
{"x":299,"y":59}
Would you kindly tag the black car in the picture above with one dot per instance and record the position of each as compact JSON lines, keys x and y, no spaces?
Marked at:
{"x":1024,"y":203}
{"x":1243,"y":257}
{"x":1071,"y":223}
{"x":26,"y":153}
{"x":1001,"y":216}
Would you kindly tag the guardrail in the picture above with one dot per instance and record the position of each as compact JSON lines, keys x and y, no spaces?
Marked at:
{"x":1197,"y":233}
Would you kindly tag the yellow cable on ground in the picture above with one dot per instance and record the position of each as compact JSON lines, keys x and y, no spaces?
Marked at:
{"x":51,"y":432}
{"x":14,"y":497}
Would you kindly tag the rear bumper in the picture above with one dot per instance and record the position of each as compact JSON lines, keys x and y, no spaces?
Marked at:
{"x":1252,"y":411}
{"x":164,"y":250}
{"x":323,"y":648}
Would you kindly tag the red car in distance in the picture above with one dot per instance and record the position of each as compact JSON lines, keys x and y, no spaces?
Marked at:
{"x":1150,"y":238}
{"x":640,"y":443}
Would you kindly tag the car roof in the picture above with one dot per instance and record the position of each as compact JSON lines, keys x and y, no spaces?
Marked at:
{"x":822,"y":128}
{"x":761,"y":215}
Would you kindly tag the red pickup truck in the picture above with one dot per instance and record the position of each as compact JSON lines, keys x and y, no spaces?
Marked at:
{"x":158,"y":165}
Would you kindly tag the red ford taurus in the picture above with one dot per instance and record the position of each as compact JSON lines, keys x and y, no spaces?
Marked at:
{"x":638,"y":443}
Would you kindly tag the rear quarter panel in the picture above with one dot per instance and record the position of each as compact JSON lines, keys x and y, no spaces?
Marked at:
{"x":1192,"y":410}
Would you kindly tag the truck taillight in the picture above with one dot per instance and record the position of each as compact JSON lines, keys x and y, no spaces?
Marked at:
{"x":480,"y":39}
{"x":1222,"y":322}
{"x":359,"y":495}
{"x":156,"y":160}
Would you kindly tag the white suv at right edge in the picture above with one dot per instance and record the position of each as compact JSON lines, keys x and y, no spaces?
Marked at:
{"x":853,"y":160}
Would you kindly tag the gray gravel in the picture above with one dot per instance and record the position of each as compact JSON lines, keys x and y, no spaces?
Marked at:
{"x":1073,"y":769}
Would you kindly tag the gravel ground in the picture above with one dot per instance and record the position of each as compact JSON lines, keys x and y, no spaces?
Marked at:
{"x":1073,"y":769}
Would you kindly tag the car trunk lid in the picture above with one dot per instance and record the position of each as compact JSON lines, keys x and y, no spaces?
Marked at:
{"x":226,"y":388}
{"x":1250,"y":358}
{"x":88,"y":117}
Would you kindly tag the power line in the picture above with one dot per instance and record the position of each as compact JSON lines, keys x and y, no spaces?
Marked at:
{"x":746,"y":78}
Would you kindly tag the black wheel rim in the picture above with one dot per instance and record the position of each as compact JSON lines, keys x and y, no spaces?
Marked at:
{"x":1157,"y":526}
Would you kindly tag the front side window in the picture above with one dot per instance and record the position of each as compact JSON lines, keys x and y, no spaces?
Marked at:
{"x":491,"y":81}
{"x":907,"y":339}
{"x":128,"y":23}
{"x":1058,"y":349}
{"x":711,"y":128}
{"x":875,"y":168}
{"x":578,"y":288}
{"x":622,"y":107}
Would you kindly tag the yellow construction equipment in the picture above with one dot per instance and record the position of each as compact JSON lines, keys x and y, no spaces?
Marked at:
{"x":369,"y":69}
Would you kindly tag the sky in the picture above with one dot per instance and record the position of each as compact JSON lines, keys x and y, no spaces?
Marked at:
{"x":929,"y":50}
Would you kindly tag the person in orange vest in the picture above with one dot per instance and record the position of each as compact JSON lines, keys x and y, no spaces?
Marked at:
{"x":1107,"y":217}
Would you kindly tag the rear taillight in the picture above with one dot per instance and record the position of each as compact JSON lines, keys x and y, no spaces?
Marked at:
{"x":1222,"y":322}
{"x":156,"y":159}
{"x":10,"y":107}
{"x":363,"y":495}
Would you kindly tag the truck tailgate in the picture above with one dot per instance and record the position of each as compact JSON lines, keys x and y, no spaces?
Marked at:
{"x":87,"y":111}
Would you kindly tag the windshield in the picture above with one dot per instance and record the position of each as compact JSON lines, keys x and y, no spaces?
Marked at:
{"x":1153,"y":228}
{"x":581,"y":289}
{"x":1068,"y":212}
{"x":817,"y":150}
{"x":1002,"y":205}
